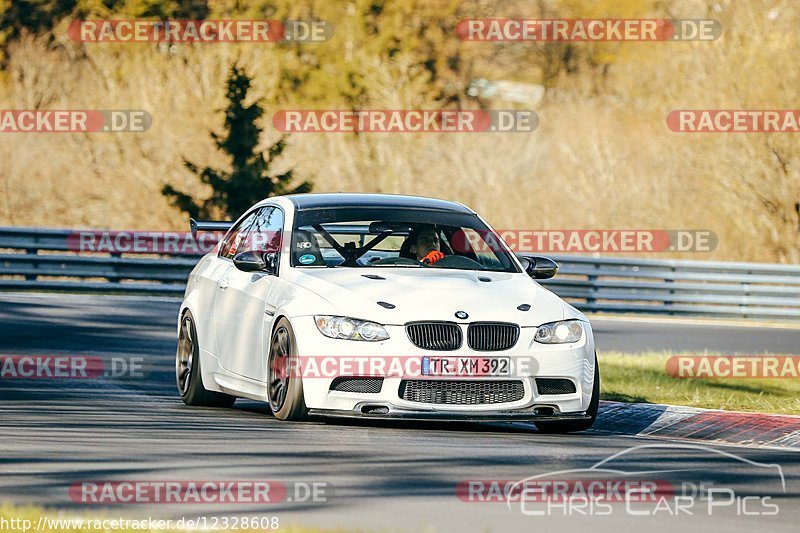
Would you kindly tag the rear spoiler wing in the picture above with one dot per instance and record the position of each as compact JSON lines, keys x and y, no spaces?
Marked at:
{"x":208,"y":225}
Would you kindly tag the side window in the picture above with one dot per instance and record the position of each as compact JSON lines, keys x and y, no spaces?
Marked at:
{"x":266,"y":232}
{"x":482,"y":244}
{"x":235,"y":240}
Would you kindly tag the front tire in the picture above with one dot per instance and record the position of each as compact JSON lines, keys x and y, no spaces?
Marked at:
{"x":570,"y":426}
{"x":284,"y":384}
{"x":187,"y":370}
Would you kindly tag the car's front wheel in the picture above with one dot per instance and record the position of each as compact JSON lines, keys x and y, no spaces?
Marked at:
{"x":187,"y":370}
{"x":569,"y":426}
{"x":284,"y":384}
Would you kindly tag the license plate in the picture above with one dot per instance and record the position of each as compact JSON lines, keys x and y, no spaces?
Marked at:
{"x":466,"y":366}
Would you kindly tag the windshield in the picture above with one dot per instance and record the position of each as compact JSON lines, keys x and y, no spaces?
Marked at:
{"x":387,"y":237}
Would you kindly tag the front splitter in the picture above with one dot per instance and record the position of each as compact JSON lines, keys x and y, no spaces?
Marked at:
{"x":373,"y":412}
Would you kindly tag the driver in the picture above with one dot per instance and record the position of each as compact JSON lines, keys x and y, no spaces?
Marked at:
{"x":424,"y":245}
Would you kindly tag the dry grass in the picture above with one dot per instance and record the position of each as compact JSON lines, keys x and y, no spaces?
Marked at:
{"x":601,"y":158}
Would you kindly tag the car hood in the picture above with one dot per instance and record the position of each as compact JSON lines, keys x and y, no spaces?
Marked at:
{"x":426,"y":294}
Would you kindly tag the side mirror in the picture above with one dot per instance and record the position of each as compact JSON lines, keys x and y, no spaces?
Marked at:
{"x":539,"y":267}
{"x":271,"y":258}
{"x":254,"y":261}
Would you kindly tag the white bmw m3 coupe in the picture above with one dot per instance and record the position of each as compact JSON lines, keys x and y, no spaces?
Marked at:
{"x":381,"y":306}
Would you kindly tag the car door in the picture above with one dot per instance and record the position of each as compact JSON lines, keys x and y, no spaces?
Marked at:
{"x":244,"y":301}
{"x":207,"y":277}
{"x":219,"y":278}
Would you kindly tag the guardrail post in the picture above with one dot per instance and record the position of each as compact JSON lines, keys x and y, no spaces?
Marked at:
{"x":745,"y":287}
{"x":114,"y":268}
{"x":592,"y":286}
{"x":671,"y":291}
{"x":32,"y":251}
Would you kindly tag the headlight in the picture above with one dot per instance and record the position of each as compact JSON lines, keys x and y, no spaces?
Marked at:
{"x":342,"y":327}
{"x":560,"y":332}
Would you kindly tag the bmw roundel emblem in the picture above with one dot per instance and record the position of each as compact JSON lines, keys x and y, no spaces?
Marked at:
{"x":462,"y":315}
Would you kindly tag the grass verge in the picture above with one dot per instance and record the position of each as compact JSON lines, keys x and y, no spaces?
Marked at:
{"x":643,"y":378}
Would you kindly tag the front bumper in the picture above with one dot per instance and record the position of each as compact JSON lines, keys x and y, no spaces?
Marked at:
{"x":574,"y":362}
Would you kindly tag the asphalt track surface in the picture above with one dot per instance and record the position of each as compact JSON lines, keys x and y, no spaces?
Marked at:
{"x":379,"y":476}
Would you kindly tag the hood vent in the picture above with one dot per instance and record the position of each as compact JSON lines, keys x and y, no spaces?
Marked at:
{"x":387,"y":305}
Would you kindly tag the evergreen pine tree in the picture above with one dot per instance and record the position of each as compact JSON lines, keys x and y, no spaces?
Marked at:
{"x":249,"y":179}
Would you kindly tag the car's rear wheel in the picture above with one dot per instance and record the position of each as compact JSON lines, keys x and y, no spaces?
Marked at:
{"x":570,"y":426}
{"x":187,"y":370}
{"x":284,"y":384}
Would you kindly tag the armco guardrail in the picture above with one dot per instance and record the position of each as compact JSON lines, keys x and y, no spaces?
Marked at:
{"x":679,"y":287}
{"x":41,"y":259}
